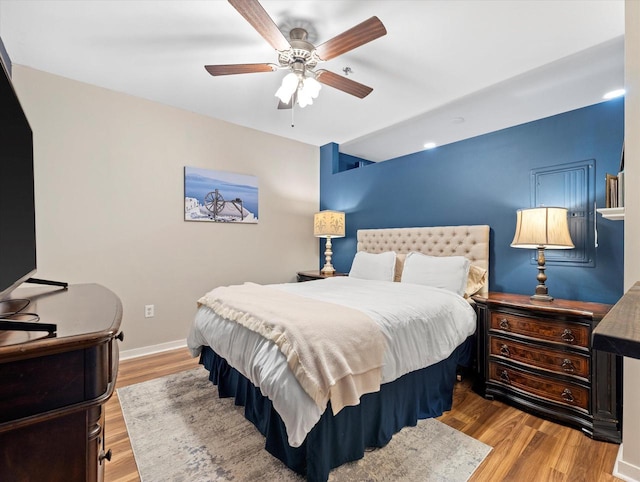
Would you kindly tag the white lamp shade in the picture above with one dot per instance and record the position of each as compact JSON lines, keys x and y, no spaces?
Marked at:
{"x":328,"y":224}
{"x":542,"y":227}
{"x":288,"y":87}
{"x":312,"y":86}
{"x":304,"y":99}
{"x":309,"y":91}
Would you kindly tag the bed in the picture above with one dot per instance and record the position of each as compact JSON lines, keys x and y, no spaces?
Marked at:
{"x":312,"y":429}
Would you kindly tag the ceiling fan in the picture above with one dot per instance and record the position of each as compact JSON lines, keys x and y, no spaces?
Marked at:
{"x":298,"y":55}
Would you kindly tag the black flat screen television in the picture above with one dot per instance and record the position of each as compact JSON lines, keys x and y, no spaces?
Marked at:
{"x":17,"y":203}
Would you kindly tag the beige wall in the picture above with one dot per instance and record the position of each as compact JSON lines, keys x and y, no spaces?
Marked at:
{"x":110,"y":201}
{"x":629,"y":458}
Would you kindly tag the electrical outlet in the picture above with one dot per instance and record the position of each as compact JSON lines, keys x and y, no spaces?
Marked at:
{"x":149,"y":311}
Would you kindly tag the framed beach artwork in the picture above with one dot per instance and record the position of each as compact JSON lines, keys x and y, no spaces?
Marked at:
{"x":220,"y":196}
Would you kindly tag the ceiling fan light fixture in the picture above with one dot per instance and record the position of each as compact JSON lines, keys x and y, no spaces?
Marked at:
{"x":288,"y":87}
{"x":308,"y":89}
{"x":304,"y":99}
{"x":312,"y":86}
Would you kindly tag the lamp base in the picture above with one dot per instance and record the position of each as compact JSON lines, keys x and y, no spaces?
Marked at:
{"x":541,"y":297}
{"x":328,"y":269}
{"x":542,"y":292}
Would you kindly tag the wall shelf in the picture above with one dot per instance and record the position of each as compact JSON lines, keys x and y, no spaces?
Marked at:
{"x":614,"y":214}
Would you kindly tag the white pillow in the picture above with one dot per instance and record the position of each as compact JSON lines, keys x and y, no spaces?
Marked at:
{"x":371,"y":266}
{"x":448,"y":272}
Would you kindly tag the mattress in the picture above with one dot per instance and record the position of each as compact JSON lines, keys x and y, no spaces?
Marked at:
{"x":421,"y":326}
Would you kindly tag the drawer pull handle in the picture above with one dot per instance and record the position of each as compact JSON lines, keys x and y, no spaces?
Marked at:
{"x":504,"y":324}
{"x":568,"y":366}
{"x":504,"y":376}
{"x":104,"y":455}
{"x":504,"y":350}
{"x":567,"y":396}
{"x":567,"y":335}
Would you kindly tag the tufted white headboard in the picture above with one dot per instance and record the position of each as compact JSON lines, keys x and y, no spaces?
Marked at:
{"x":469,"y":241}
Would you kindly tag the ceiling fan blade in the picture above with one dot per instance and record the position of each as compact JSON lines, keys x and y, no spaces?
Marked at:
{"x":342,"y":83}
{"x":232,"y":69}
{"x":282,"y":105}
{"x":354,"y":37}
{"x":259,"y":19}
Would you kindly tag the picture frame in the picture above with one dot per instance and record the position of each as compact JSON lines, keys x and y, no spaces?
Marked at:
{"x":220,"y":196}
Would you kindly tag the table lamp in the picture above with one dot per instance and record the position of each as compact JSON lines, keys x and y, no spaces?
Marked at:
{"x":542,"y":228}
{"x":328,"y":224}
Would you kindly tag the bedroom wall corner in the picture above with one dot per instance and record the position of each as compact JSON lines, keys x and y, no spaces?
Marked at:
{"x":110,"y":201}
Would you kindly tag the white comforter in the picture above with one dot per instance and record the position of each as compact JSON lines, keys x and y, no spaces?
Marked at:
{"x":422,"y":326}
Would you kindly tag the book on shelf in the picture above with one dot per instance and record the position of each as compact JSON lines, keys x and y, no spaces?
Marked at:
{"x":614,"y":190}
{"x":621,"y":189}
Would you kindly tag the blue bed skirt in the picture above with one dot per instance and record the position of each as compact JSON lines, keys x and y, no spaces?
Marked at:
{"x":341,"y":438}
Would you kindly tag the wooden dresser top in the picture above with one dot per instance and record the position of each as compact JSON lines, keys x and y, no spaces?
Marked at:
{"x":84,"y":314}
{"x":619,"y":332}
{"x":596,"y":311}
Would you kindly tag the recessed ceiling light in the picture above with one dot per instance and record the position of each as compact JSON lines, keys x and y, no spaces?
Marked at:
{"x":430,"y":145}
{"x":613,"y":94}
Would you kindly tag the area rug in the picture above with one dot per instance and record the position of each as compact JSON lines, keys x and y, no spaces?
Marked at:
{"x":181,"y":431}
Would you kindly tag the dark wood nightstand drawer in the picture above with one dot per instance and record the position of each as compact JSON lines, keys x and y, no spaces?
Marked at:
{"x":561,"y":362}
{"x":555,"y":331}
{"x":566,"y":393}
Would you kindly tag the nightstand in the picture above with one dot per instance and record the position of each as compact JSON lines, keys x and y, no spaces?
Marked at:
{"x":311,"y":275}
{"x":537,"y":356}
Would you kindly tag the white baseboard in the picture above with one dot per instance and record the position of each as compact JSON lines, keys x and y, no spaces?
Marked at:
{"x":150,"y":350}
{"x":624,"y":470}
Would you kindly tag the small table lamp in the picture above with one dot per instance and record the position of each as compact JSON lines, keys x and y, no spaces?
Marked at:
{"x":328,"y":224}
{"x":542,"y":228}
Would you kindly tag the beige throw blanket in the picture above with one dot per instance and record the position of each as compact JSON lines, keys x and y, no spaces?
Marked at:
{"x":334,"y":351}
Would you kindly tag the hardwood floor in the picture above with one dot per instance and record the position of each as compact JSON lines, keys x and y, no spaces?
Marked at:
{"x":525,"y":448}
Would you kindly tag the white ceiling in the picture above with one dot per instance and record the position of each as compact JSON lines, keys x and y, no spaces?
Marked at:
{"x":445,"y":71}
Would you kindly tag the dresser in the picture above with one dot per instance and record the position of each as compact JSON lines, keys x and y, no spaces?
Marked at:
{"x":53,"y":389}
{"x":538,"y":356}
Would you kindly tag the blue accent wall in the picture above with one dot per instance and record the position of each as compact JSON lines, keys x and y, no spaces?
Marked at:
{"x":484,"y":180}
